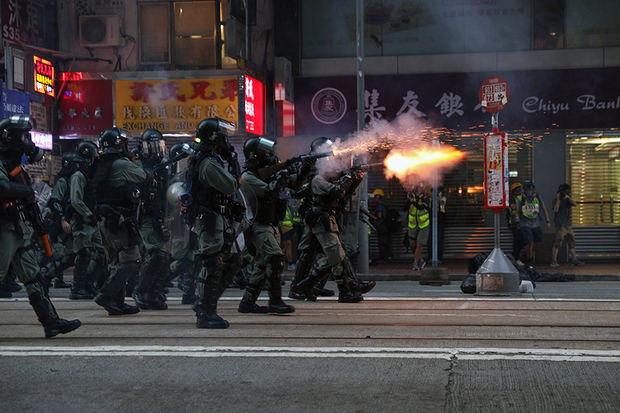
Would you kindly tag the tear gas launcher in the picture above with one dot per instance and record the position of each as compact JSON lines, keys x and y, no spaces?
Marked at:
{"x":268,"y":171}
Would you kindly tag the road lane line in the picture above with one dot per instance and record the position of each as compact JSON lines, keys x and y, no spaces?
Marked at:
{"x":382,"y":298}
{"x":481,"y":354}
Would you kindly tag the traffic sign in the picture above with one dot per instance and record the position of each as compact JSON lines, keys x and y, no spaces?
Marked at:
{"x":494,"y":94}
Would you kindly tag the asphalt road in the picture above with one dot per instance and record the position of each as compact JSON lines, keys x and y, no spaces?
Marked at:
{"x":407,"y":347}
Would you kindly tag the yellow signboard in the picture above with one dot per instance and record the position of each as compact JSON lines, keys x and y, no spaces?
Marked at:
{"x":173,"y":105}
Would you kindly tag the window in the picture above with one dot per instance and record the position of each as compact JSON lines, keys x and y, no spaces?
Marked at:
{"x":194,"y":39}
{"x":153,"y":24}
{"x":594,"y":174}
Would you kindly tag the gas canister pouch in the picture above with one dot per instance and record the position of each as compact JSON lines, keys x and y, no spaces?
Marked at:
{"x":208,"y":220}
{"x":229,"y":238}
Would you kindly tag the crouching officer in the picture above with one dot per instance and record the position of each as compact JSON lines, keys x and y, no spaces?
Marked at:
{"x":210,"y":208}
{"x":155,"y":269}
{"x":323,"y":226}
{"x":263,"y":238}
{"x":17,"y":208}
{"x":116,"y":182}
{"x":87,"y":242}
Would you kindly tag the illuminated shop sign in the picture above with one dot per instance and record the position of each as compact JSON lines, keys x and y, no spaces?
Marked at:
{"x":43,"y":76}
{"x":253,"y":105}
{"x":42,"y":140}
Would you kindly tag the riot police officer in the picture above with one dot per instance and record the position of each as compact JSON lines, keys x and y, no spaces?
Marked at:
{"x":184,"y":242}
{"x":154,"y":270}
{"x":87,"y":242}
{"x":210,"y":208}
{"x":116,"y":181}
{"x":323,"y":227}
{"x":263,"y":238}
{"x":60,"y":229}
{"x":17,"y":210}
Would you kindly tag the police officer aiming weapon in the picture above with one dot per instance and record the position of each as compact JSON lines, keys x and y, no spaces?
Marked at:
{"x":268,"y":171}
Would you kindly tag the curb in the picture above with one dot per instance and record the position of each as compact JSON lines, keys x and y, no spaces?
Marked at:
{"x":460,"y":277}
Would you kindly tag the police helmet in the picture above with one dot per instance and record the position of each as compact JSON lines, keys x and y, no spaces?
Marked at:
{"x":67,"y":158}
{"x":259,"y":151}
{"x":178,"y":149}
{"x":320,"y":144}
{"x":14,"y":135}
{"x":113,"y":140}
{"x":212,"y":133}
{"x":153,"y":144}
{"x":87,"y":151}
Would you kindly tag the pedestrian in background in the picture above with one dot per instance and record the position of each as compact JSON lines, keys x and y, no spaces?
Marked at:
{"x":529,"y":208}
{"x":511,"y":218}
{"x":562,"y":205}
{"x":384,"y":240}
{"x":418,"y":221}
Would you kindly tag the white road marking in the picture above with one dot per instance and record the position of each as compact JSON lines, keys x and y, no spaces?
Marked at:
{"x":382,"y":298}
{"x":482,"y":354}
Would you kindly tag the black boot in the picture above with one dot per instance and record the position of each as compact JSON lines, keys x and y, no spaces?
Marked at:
{"x":323,"y":292}
{"x":346,"y":295}
{"x":365,"y":286}
{"x":126,"y":308}
{"x":276,"y":305}
{"x":206,"y":314}
{"x":248,"y":302}
{"x":108,"y":296}
{"x":9,"y":284}
{"x":145,"y":292}
{"x":248,"y":306}
{"x":80,"y":277}
{"x":302,"y":271}
{"x":48,"y":316}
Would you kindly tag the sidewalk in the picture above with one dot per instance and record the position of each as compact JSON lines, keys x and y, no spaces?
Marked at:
{"x":457,"y":270}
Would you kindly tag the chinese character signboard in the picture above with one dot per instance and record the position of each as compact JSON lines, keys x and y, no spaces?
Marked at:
{"x":173,"y":105}
{"x":495,"y":171}
{"x":253,"y":105}
{"x":43,"y":76}
{"x":42,"y":140}
{"x":544,"y":99}
{"x":14,"y":103}
{"x":86,"y":107}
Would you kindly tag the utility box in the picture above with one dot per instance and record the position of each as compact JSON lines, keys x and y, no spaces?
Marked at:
{"x":497,"y":276}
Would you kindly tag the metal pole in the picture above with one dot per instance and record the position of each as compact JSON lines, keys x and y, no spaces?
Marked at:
{"x":434,"y":222}
{"x":496,"y":227}
{"x":362,"y":260}
{"x":247,"y":32}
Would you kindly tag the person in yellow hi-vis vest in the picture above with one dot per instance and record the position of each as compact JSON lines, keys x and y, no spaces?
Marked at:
{"x":418,"y":223}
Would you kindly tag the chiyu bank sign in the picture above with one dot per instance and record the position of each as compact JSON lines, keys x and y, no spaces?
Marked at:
{"x":253,"y":105}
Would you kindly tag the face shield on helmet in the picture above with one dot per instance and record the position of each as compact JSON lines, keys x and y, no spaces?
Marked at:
{"x":212,"y":134}
{"x":153,"y":144}
{"x":321,"y":144}
{"x":15,"y":135}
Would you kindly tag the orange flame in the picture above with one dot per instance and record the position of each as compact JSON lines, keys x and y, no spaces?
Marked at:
{"x":421,"y":161}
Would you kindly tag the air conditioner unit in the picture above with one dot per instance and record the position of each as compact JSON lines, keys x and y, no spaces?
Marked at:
{"x":100,"y":30}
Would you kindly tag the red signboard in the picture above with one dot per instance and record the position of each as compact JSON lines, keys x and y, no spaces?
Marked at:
{"x":86,"y":108}
{"x":43,"y":76}
{"x":286,"y":118}
{"x":253,"y":105}
{"x":494,"y":94}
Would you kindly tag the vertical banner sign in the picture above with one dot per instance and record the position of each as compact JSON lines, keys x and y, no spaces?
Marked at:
{"x":495,"y":171}
{"x":43,"y":76}
{"x":253,"y":105}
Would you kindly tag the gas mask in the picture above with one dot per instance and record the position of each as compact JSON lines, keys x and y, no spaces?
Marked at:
{"x":14,"y":135}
